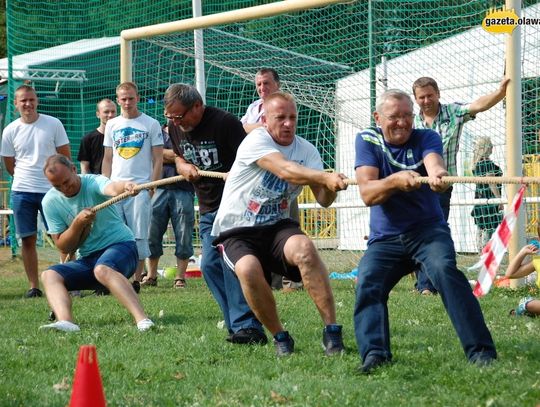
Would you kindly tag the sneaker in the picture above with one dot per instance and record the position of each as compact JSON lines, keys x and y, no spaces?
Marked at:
{"x":250,"y":336}
{"x":372,"y":362}
{"x":284,"y":344}
{"x":65,"y":326}
{"x":102,"y":291}
{"x":136,"y":286}
{"x":144,"y":325}
{"x":521,"y":309}
{"x":332,"y":340}
{"x":482,"y":359}
{"x":33,"y":293}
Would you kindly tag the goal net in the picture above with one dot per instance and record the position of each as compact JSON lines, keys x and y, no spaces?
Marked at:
{"x":335,"y":60}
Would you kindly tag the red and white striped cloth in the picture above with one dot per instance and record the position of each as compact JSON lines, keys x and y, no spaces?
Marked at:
{"x":495,"y":249}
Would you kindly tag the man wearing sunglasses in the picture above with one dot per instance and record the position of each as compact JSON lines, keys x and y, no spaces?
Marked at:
{"x":206,"y":138}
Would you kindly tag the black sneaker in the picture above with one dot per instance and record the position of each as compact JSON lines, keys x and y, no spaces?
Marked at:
{"x":372,"y":362}
{"x":101,"y":291}
{"x":332,"y":340}
{"x":136,"y":286}
{"x":284,"y":344}
{"x":483,"y":359}
{"x":33,"y":293}
{"x":250,"y":336}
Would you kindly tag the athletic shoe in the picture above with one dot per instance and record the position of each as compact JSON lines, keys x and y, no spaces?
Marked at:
{"x":521,"y":309}
{"x":249,"y":336}
{"x":332,"y":340}
{"x":372,"y":362}
{"x":65,"y":326}
{"x":33,"y":293}
{"x":482,"y":359}
{"x":144,"y":325}
{"x":284,"y":344}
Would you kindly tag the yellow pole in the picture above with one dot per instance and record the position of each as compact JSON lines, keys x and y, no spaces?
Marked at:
{"x":513,"y":127}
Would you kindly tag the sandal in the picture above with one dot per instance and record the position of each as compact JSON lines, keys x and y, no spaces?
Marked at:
{"x":149,"y":281}
{"x":179,"y":283}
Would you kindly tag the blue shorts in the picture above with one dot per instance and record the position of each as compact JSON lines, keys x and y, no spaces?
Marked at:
{"x":79,"y":274}
{"x":25,"y":211}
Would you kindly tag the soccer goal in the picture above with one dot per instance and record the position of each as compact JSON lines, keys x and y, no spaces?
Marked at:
{"x":335,"y":57}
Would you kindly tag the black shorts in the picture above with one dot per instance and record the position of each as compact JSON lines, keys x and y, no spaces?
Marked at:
{"x":264,"y":242}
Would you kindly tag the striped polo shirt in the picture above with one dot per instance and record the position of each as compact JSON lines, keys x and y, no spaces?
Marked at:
{"x":449,"y":124}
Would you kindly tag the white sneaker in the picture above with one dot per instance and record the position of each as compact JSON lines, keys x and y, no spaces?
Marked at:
{"x":144,"y":325}
{"x":64,"y":326}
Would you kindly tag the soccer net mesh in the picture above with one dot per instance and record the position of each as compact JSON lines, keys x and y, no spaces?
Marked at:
{"x":335,"y":60}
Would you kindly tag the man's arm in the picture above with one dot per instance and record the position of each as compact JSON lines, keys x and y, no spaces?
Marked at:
{"x":486,"y":102}
{"x":249,"y":127}
{"x":168,"y":156}
{"x":157,"y":162}
{"x":518,"y":267}
{"x":375,"y":191}
{"x":73,"y":237}
{"x":324,"y":184}
{"x":64,"y":150}
{"x":9,"y":163}
{"x":435,"y":168}
{"x":85,"y":167}
{"x":106,"y":164}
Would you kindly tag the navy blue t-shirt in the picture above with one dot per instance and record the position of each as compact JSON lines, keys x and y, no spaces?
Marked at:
{"x":403,"y":211}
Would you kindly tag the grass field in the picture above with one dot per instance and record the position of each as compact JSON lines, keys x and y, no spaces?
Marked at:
{"x":187,"y":362}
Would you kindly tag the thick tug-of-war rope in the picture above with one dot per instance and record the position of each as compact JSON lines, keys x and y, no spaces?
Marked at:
{"x":152,"y":185}
{"x":473,"y":180}
{"x":348,"y":181}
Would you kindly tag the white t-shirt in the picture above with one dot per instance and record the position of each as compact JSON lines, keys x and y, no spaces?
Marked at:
{"x":31,"y":144}
{"x":254,"y":113}
{"x":254,"y":196}
{"x":132,"y":141}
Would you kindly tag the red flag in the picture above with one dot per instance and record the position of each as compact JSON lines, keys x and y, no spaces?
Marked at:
{"x":495,"y":249}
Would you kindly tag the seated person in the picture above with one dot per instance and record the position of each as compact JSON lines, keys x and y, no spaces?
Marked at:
{"x":521,"y":266}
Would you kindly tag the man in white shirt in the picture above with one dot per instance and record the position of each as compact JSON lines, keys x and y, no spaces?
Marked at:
{"x":26,"y":144}
{"x":253,"y":224}
{"x":266,"y":83}
{"x":134,"y":152}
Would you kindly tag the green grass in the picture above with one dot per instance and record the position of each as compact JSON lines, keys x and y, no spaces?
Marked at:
{"x":187,"y":362}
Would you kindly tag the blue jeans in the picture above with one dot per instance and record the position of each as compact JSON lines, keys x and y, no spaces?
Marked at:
{"x":381,"y":268}
{"x":222,"y":283}
{"x":176,"y":205}
{"x":422,"y":280}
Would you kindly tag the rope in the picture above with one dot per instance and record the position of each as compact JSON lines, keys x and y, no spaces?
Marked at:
{"x":348,"y":181}
{"x":473,"y":180}
{"x":152,"y":185}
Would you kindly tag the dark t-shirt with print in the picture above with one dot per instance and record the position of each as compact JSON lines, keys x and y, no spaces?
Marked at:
{"x":210,"y":146}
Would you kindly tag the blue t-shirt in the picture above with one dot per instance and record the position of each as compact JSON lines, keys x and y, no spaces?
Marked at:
{"x":403,"y":211}
{"x":107,"y":229}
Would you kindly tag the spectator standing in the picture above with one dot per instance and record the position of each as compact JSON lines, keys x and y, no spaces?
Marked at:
{"x":26,"y":144}
{"x":172,"y":202}
{"x":134,"y":152}
{"x":447,"y":120}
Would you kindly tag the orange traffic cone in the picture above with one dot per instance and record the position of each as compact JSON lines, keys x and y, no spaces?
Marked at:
{"x":87,"y":387}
